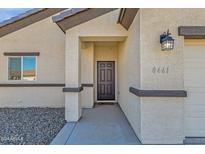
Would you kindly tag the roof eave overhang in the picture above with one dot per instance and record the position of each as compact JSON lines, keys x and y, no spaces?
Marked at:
{"x":27,"y":19}
{"x":74,"y":17}
{"x":127,"y":16}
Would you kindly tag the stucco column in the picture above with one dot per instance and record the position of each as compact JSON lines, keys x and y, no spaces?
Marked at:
{"x":72,"y":77}
{"x":162,"y":118}
{"x":87,"y":74}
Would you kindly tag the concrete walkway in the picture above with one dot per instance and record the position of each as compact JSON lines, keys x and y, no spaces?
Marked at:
{"x":102,"y":125}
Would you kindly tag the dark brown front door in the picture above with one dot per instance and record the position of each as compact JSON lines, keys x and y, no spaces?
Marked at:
{"x":106,"y":80}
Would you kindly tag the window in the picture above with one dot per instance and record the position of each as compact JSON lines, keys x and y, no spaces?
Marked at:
{"x":15,"y":68}
{"x":22,"y":68}
{"x":29,"y":68}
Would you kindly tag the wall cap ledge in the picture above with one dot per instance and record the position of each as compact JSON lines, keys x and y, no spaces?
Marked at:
{"x":158,"y":93}
{"x":72,"y":89}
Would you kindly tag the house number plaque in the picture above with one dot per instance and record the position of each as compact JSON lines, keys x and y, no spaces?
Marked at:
{"x":160,"y":70}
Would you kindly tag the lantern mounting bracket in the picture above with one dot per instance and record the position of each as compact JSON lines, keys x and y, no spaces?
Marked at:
{"x":165,"y":36}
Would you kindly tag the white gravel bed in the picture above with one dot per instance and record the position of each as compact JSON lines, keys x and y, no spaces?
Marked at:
{"x":30,"y":125}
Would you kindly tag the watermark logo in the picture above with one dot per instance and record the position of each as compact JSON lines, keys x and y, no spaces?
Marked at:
{"x":11,"y":138}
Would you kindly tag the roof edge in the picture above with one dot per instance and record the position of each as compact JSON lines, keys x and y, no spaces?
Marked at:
{"x":127,"y":16}
{"x":74,"y":17}
{"x":26,"y":19}
{"x":121,"y":14}
{"x":21,"y":16}
{"x":68,"y":13}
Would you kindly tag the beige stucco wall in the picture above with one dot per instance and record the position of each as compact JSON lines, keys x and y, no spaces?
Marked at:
{"x":105,"y":25}
{"x":31,"y":97}
{"x":163,"y":118}
{"x":155,"y":120}
{"x":129,"y":75}
{"x":44,"y":37}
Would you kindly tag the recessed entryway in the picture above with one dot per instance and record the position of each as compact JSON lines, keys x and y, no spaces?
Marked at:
{"x":106,"y":61}
{"x":99,"y":68}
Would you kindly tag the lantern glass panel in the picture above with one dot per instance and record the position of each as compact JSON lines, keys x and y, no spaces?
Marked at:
{"x":167,"y":45}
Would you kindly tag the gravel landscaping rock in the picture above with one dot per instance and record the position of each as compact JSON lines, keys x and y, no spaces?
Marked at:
{"x":30,"y":125}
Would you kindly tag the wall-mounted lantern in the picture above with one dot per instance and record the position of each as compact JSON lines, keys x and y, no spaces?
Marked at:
{"x":167,"y":42}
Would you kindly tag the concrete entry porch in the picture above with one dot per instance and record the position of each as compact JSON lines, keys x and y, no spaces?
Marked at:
{"x":103,"y":125}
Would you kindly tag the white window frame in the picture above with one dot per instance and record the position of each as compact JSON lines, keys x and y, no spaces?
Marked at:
{"x":21,"y":68}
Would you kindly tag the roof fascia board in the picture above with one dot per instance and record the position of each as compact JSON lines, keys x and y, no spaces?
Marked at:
{"x":67,"y":14}
{"x":79,"y":17}
{"x":127,"y":16}
{"x":26,"y":20}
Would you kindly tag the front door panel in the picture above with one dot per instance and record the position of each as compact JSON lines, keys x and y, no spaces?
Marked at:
{"x":106,"y":80}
